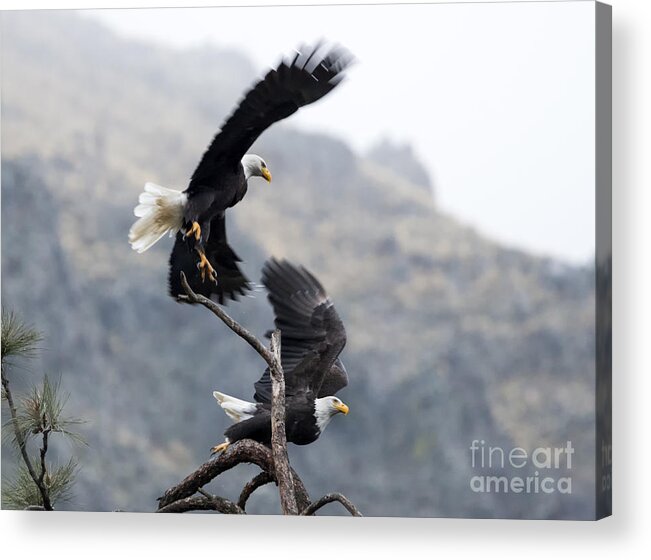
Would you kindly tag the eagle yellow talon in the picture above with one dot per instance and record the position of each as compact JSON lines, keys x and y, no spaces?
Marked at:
{"x":206,"y":268}
{"x":194,"y":229}
{"x":219,"y":448}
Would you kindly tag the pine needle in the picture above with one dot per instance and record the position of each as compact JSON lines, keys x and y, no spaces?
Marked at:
{"x":21,"y":492}
{"x":18,"y":339}
{"x":42,"y":410}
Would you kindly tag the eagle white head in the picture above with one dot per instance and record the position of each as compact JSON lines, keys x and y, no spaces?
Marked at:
{"x":325,"y":408}
{"x":255,"y":166}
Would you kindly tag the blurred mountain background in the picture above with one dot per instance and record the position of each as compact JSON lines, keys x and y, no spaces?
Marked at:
{"x":451,"y":337}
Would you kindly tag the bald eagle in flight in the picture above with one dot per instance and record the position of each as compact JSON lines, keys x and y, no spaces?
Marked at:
{"x":197,"y":215}
{"x":312,"y":337}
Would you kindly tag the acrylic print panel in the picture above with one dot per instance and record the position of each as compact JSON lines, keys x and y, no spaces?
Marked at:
{"x":441,"y":196}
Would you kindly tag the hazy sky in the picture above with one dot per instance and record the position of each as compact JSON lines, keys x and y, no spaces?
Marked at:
{"x":496,"y":99}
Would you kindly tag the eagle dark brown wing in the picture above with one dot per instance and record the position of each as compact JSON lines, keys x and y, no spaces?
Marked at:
{"x":232,"y":281}
{"x":311,"y":74}
{"x":312,"y":334}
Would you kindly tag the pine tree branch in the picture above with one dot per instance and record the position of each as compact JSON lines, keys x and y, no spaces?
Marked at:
{"x":43,"y":452}
{"x":329,"y":498}
{"x":22,"y":444}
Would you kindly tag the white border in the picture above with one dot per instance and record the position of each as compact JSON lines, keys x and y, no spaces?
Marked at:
{"x":627,"y":534}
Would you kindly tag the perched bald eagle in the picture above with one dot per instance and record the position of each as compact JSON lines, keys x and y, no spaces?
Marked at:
{"x":197,"y":215}
{"x":312,"y":337}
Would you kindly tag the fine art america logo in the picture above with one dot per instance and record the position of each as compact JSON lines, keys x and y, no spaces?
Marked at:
{"x":526,"y":472}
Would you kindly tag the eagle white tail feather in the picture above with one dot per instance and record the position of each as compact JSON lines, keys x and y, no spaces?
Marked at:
{"x":160,"y":211}
{"x":236,"y":409}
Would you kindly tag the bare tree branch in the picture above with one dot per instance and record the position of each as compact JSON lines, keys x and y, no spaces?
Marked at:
{"x":332,"y":497}
{"x":243,"y":451}
{"x":22,"y":445}
{"x":274,"y":463}
{"x":228,"y":320}
{"x":278,"y":435}
{"x":214,"y":503}
{"x":204,"y":493}
{"x":283,"y":473}
{"x":256,"y":482}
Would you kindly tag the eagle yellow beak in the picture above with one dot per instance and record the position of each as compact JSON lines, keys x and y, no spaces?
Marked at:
{"x":342,"y":408}
{"x":266,"y":174}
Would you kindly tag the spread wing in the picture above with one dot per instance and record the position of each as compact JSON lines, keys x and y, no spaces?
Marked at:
{"x":335,"y":380}
{"x":231,"y":280}
{"x":311,"y":74}
{"x":312,"y":334}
